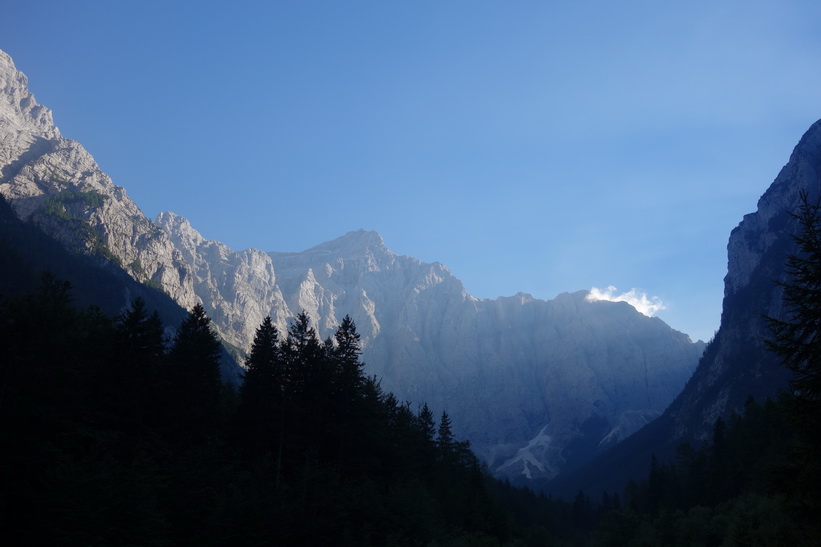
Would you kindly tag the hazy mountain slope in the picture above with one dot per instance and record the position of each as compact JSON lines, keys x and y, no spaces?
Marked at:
{"x":736,"y":364}
{"x":535,"y":385}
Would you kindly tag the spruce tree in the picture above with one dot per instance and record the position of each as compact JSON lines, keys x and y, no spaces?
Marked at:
{"x":797,"y":340}
{"x":129,"y":384}
{"x":194,"y":376}
{"x":349,"y":378}
{"x":260,"y":415}
{"x":140,"y":334}
{"x":349,"y":419}
{"x":427,"y":425}
{"x":310,"y":384}
{"x":444,"y":441}
{"x":302,"y":351}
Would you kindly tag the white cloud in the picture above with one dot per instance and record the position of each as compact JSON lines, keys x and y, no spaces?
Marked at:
{"x":648,"y":305}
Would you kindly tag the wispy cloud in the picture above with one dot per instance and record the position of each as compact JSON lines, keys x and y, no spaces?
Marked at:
{"x":648,"y":305}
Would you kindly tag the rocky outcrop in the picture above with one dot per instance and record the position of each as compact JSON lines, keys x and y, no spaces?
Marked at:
{"x":759,"y":231}
{"x":55,"y":182}
{"x":238,"y":289}
{"x":535,"y":385}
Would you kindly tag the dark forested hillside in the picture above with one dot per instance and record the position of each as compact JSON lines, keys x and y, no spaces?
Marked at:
{"x":27,"y":251}
{"x":118,"y":436}
{"x":95,"y":280}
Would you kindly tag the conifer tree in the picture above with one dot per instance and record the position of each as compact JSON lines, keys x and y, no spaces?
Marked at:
{"x":261,"y":410}
{"x":427,"y":425}
{"x":129,"y":384}
{"x":444,"y":441}
{"x":797,"y":340}
{"x":140,"y":335}
{"x":346,"y":354}
{"x":302,"y":352}
{"x":310,"y":383}
{"x":350,"y":413}
{"x":264,"y":368}
{"x":194,"y":373}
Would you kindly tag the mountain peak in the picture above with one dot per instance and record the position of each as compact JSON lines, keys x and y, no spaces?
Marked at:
{"x":754,"y":237}
{"x":17,"y":104}
{"x":354,"y":242}
{"x":173,"y":223}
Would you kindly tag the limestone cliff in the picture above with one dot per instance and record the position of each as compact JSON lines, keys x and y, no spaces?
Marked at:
{"x":55,"y":182}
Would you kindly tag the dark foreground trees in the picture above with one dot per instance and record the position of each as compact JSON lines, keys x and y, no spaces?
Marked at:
{"x":796,"y":339}
{"x":114,"y":435}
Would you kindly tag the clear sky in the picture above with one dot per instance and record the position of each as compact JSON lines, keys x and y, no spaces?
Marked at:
{"x":529,"y":146}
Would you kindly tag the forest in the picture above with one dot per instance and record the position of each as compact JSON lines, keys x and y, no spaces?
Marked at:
{"x":118,"y":435}
{"x":122,"y":437}
{"x":118,"y":430}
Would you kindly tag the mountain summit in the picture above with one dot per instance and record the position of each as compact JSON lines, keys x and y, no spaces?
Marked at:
{"x":537,"y":386}
{"x":353,"y":243}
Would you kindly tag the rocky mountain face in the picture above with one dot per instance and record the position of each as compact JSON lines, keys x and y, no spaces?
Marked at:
{"x":56,"y":183}
{"x":537,"y":386}
{"x":736,"y":364}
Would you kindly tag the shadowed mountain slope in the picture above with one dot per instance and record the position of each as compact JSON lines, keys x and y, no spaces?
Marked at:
{"x":736,"y":364}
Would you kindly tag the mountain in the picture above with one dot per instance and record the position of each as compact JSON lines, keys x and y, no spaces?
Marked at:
{"x":55,"y":182}
{"x":736,"y":364}
{"x":537,"y":386}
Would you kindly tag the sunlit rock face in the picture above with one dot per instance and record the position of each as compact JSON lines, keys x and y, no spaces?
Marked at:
{"x":536,"y":386}
{"x":55,"y":182}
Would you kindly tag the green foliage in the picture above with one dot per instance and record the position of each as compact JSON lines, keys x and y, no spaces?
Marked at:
{"x":58,"y":204}
{"x":153,"y":284}
{"x":59,"y":207}
{"x":137,"y":268}
{"x":58,"y":178}
{"x":101,"y":249}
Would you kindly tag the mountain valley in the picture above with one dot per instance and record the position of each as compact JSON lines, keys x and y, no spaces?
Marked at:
{"x":536,"y":386}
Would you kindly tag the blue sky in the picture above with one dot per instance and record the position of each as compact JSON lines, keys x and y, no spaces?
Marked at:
{"x":541,"y":147}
